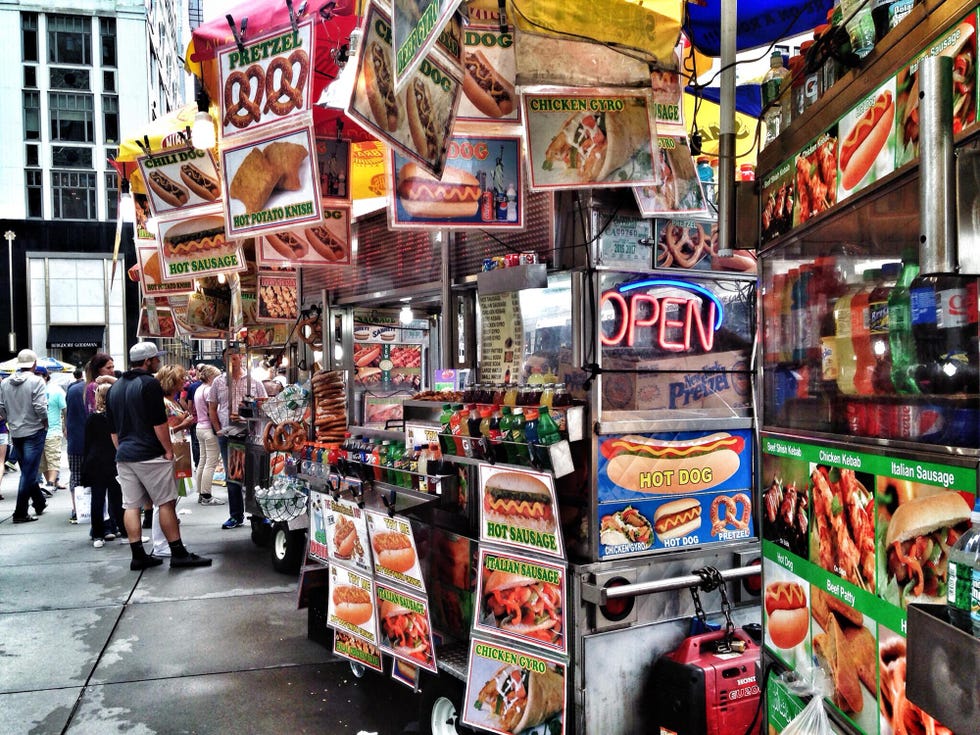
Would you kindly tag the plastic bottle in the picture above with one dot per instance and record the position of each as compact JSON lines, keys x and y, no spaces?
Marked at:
{"x":963,"y":590}
{"x":548,"y":432}
{"x":900,"y":339}
{"x":473,"y":422}
{"x":444,"y":418}
{"x":518,"y":437}
{"x":496,"y":435}
{"x":889,"y":13}
{"x":800,"y":311}
{"x":531,"y":416}
{"x":864,"y":359}
{"x":772,"y":302}
{"x":881,"y":376}
{"x":422,"y":467}
{"x":506,"y":418}
{"x":510,"y":394}
{"x":843,"y":347}
{"x":944,"y":325}
{"x":772,"y":86}
{"x":860,"y":26}
{"x":457,"y":424}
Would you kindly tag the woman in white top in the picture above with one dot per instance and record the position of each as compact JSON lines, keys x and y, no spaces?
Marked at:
{"x":206,"y":438}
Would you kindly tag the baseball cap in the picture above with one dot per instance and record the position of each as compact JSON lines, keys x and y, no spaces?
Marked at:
{"x":42,"y":371}
{"x":26,"y":357}
{"x":142,"y":351}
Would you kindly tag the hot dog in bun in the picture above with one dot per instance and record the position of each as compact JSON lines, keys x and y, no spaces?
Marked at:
{"x":393,"y":551}
{"x":455,"y":196}
{"x":421,"y":120}
{"x":288,"y":245}
{"x":365,"y":355}
{"x":865,"y":141}
{"x":677,"y":518}
{"x":407,"y":631}
{"x":786,"y":610}
{"x":918,"y":541}
{"x":489,"y":92}
{"x":167,"y":189}
{"x":526,"y":606}
{"x":344,"y":538}
{"x":379,"y":86}
{"x":323,"y":241}
{"x":199,"y":182}
{"x":515,"y":497}
{"x":193,"y":237}
{"x":646,"y":465}
{"x":352,"y":604}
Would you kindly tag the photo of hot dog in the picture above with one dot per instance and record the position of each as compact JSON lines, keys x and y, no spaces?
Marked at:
{"x":677,"y":519}
{"x":352,"y":604}
{"x":326,"y":244}
{"x":195,"y":236}
{"x":379,"y":86}
{"x":660,"y":466}
{"x":861,"y":145}
{"x":393,"y":550}
{"x":407,"y":632}
{"x":489,"y":92}
{"x":206,"y":187}
{"x":166,"y":189}
{"x":455,"y":196}
{"x":528,"y":607}
{"x":787,"y":617}
{"x":518,"y":498}
{"x":344,"y":538}
{"x":288,"y":244}
{"x":366,"y":355}
{"x":422,"y":120}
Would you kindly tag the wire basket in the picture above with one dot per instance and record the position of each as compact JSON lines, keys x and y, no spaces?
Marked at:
{"x":290,"y":405}
{"x":284,"y":501}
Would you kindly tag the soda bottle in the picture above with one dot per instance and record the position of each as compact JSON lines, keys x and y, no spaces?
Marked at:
{"x":496,"y":435}
{"x":901,"y":343}
{"x":843,"y":347}
{"x":506,"y":417}
{"x":772,"y":87}
{"x":422,"y":467}
{"x":800,"y":309}
{"x":531,"y":416}
{"x":548,"y":432}
{"x":473,"y":422}
{"x":881,"y":376}
{"x":864,"y":360}
{"x":944,"y":325}
{"x":457,"y":425}
{"x":772,"y":308}
{"x":444,"y":418}
{"x":518,"y":437}
{"x":787,"y":320}
{"x":963,"y":581}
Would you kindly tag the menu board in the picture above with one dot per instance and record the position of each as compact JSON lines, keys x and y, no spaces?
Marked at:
{"x":502,"y":327}
{"x":668,"y":491}
{"x":351,"y":607}
{"x":357,"y":650}
{"x":395,"y":555}
{"x":849,"y":539}
{"x":518,"y":508}
{"x":406,"y":630}
{"x":179,"y":179}
{"x":339,"y":532}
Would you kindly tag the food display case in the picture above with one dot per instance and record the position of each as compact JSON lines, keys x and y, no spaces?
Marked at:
{"x":869,"y":365}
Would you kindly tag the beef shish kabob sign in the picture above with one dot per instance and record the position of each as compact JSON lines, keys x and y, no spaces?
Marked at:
{"x":418,"y":121}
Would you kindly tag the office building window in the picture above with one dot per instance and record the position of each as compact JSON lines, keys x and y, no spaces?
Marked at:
{"x":65,"y":156}
{"x":111,"y":195}
{"x":73,"y":195}
{"x":109,"y":81}
{"x":32,"y":154}
{"x":35,"y":188}
{"x":32,"y":115}
{"x":72,"y":117}
{"x":69,"y":78}
{"x":107,"y":36}
{"x":28,"y":36}
{"x":30,"y":76}
{"x":69,"y":39}
{"x":110,"y":117}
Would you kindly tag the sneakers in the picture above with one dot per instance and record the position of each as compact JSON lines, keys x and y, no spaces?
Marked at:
{"x":232,"y":523}
{"x":98,"y":543}
{"x":145,"y":563}
{"x":209,"y":500}
{"x":38,"y":510}
{"x":73,"y":519}
{"x":191,"y":560}
{"x":44,"y":491}
{"x":11,"y":467}
{"x":25,"y":519}
{"x":161,"y":553}
{"x":110,"y":536}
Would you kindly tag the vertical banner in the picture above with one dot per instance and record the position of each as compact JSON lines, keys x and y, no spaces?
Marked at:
{"x":502,"y":328}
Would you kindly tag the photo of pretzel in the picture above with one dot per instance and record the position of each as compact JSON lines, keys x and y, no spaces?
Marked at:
{"x":719,"y":524}
{"x":682,"y":247}
{"x":293,"y":93}
{"x":240,"y":107}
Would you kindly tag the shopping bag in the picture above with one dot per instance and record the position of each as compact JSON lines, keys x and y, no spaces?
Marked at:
{"x":83,"y":504}
{"x":182,"y":459}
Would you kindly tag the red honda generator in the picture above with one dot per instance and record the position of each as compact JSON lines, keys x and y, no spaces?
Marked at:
{"x":707,"y":686}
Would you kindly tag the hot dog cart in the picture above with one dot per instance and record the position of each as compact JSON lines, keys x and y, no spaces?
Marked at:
{"x":870,"y":394}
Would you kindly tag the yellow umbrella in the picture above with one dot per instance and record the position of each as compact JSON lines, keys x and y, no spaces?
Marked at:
{"x":709,"y":125}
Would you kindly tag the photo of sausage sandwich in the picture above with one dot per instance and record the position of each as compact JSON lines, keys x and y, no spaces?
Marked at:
{"x":861,"y":146}
{"x":407,"y":632}
{"x":485,"y":88}
{"x":520,"y":499}
{"x":455,"y":196}
{"x":524,"y":606}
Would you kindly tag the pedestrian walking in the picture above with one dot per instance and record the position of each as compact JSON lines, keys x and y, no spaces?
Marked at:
{"x":24,"y":406}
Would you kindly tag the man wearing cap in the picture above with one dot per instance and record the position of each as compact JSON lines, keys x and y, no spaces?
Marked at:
{"x":24,"y":406}
{"x":144,"y":457}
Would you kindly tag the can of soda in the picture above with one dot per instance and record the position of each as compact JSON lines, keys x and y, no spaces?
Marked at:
{"x":489,"y":264}
{"x":512,"y":259}
{"x":529,"y":258}
{"x":500,"y":261}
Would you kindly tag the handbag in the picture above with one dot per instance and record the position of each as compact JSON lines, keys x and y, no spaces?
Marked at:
{"x":182,"y":459}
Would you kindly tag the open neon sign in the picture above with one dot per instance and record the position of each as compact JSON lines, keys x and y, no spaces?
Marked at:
{"x":675,"y":318}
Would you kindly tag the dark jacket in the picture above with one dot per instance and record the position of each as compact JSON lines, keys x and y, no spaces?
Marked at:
{"x":134,"y":407}
{"x":75,"y":415}
{"x":99,"y":459}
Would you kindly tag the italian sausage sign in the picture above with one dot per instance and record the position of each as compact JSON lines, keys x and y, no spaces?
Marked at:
{"x":668,"y":491}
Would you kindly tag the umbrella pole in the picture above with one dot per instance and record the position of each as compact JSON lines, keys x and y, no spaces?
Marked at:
{"x":726,"y":138}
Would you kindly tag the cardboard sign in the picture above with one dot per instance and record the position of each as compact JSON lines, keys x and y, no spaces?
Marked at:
{"x":155,"y":322}
{"x":405,"y":627}
{"x":272,"y":183}
{"x":518,"y":508}
{"x":179,"y":179}
{"x":208,"y":309}
{"x":393,"y":545}
{"x":490,"y":67}
{"x":196,"y":247}
{"x":680,"y":190}
{"x":266,"y":82}
{"x":327,"y":242}
{"x":151,"y":274}
{"x":417,"y":26}
{"x":278,"y":299}
{"x":357,"y":650}
{"x":346,"y":534}
{"x":351,"y":607}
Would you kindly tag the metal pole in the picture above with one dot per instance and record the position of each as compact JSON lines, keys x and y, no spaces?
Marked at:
{"x":937,"y":192}
{"x":675,"y":583}
{"x":12,"y":334}
{"x":726,"y":138}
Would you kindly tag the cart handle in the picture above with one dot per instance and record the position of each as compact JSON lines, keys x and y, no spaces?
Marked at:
{"x":601,"y":595}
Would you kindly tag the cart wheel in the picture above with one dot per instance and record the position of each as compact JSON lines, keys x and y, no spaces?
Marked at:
{"x":288,"y":548}
{"x":358,"y":670}
{"x":261,"y":530}
{"x":440,"y":709}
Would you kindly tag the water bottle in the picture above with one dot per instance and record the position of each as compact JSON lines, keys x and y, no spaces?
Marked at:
{"x":860,"y":25}
{"x":963,"y":582}
{"x":772,"y":85}
{"x":864,"y":360}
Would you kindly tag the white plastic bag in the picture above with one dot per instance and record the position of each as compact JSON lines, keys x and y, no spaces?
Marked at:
{"x":83,"y":504}
{"x":813,"y":719}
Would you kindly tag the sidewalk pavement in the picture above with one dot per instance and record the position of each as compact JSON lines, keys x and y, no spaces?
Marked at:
{"x":88,"y":646}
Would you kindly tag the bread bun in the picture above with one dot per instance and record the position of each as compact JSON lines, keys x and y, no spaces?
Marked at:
{"x":786,"y":609}
{"x":455,"y":196}
{"x":520,"y":482}
{"x":666,"y":517}
{"x":926,"y":514}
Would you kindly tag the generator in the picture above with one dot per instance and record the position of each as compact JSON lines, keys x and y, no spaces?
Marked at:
{"x":707,"y":685}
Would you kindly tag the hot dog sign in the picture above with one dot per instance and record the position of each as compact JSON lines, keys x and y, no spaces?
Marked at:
{"x":669,"y":491}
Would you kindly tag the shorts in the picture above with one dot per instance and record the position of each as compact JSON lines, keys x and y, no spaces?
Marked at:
{"x":51,"y":457}
{"x":4,"y":439}
{"x":149,"y":481}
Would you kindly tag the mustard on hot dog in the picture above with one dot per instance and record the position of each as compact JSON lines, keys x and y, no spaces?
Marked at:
{"x":645,"y":465}
{"x":865,"y":140}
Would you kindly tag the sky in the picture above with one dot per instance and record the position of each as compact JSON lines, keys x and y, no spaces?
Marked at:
{"x":217,"y":8}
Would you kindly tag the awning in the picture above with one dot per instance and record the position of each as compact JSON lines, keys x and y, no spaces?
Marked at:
{"x":62,"y":336}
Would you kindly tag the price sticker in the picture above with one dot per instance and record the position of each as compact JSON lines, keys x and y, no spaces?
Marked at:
{"x":561,"y":458}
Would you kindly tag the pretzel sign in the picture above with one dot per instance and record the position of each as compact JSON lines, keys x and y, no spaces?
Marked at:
{"x":242,"y":106}
{"x":731,"y":518}
{"x":276,"y":92}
